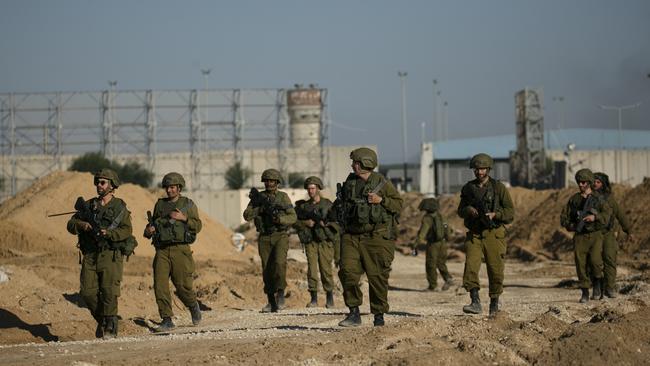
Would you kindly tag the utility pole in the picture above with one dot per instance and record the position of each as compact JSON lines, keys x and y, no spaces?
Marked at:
{"x":619,"y":160}
{"x":402,"y":75}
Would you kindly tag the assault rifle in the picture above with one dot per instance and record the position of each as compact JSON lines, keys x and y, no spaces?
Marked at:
{"x":479,"y":204}
{"x":267,"y":203}
{"x":589,"y":208}
{"x":311,"y":212}
{"x":86,"y":211}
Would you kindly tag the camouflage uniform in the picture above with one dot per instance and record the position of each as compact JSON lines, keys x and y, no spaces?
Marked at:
{"x":102,"y":262}
{"x":485,"y":238}
{"x":272,"y":222}
{"x":432,"y":232}
{"x":610,"y":246}
{"x":369,"y":232}
{"x":588,"y":243}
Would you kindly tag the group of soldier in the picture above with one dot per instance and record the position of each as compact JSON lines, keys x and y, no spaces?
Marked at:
{"x":357,"y":232}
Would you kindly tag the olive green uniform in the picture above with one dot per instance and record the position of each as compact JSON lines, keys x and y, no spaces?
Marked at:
{"x":368,"y":241}
{"x":432,"y":233}
{"x":102,"y":263}
{"x":273,"y":242}
{"x":588,"y":244}
{"x":485,"y":240}
{"x":318,"y":242}
{"x":173,"y":257}
{"x":610,"y":246}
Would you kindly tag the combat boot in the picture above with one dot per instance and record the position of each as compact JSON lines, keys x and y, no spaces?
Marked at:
{"x":195,"y":311}
{"x":379,"y":320}
{"x":494,"y":306}
{"x":448,"y":283}
{"x":280,"y":299}
{"x":272,"y":306}
{"x":610,"y":292}
{"x":166,"y":325}
{"x":475,"y":306}
{"x":110,"y":329}
{"x":596,"y":294}
{"x":313,"y":303}
{"x":101,"y":323}
{"x":329,"y":300}
{"x":353,"y":319}
{"x":585,"y":295}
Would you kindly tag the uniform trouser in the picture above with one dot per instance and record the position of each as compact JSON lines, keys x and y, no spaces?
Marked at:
{"x":588,"y":249}
{"x":273,"y":252}
{"x":372,"y":254}
{"x":101,"y":275}
{"x":319,"y":259}
{"x":610,"y":252}
{"x":491,"y":246}
{"x":175,"y":262}
{"x":436,"y":258}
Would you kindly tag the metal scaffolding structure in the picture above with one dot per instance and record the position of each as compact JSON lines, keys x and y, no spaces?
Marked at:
{"x":41,"y":132}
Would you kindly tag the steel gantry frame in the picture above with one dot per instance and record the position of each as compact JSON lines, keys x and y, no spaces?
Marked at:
{"x":42,"y":132}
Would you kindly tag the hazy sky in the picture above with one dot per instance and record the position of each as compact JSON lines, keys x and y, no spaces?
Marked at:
{"x":481,"y":52}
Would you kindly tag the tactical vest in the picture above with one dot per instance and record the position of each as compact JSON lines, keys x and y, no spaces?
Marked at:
{"x":317,"y":233}
{"x":490,"y":199}
{"x":360,"y":216}
{"x":170,"y":231}
{"x":105,"y":217}
{"x":577,"y":204}
{"x":264,"y":222}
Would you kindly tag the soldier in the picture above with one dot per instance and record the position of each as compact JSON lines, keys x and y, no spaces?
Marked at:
{"x":587,"y":214}
{"x":486,"y":206}
{"x":610,"y":247}
{"x":432,"y":232}
{"x":103,"y":226}
{"x":366,"y":207}
{"x":272,"y":212}
{"x":319,"y":239}
{"x":172,"y":228}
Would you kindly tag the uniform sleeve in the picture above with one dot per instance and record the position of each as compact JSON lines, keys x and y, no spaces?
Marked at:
{"x":565,"y":217}
{"x":391,"y":200}
{"x":251,"y":212}
{"x":287,"y":217}
{"x":194,"y":223}
{"x":604,"y":213}
{"x":464,"y":204}
{"x":620,"y":216}
{"x":73,"y":224}
{"x":123,"y":230}
{"x":425,"y":226}
{"x":506,"y":213}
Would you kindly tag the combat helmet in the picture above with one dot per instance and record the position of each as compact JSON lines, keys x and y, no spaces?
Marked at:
{"x":428,"y":204}
{"x":173,"y":179}
{"x":313,"y":180}
{"x":604,"y":178}
{"x":271,"y":174}
{"x":480,"y":161}
{"x":107,"y":174}
{"x":367,"y":157}
{"x":584,"y":175}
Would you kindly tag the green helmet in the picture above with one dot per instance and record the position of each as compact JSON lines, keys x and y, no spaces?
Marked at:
{"x":584,"y":175}
{"x":108,"y":174}
{"x":173,"y":179}
{"x":480,"y":161}
{"x":428,"y":204}
{"x":271,"y":174}
{"x":313,"y":180}
{"x":367,"y":157}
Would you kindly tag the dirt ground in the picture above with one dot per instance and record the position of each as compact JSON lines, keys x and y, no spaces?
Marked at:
{"x":42,"y":319}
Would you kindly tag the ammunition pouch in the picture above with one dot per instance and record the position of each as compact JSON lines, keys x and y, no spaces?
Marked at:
{"x":305,"y":236}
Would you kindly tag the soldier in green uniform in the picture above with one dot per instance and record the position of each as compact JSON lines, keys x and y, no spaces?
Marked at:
{"x":272,"y":212}
{"x":172,"y":228}
{"x":610,"y":246}
{"x":104,"y":229}
{"x":587,"y":214}
{"x":486,"y":206}
{"x":319,"y":239}
{"x":366,"y":207}
{"x":432,"y":232}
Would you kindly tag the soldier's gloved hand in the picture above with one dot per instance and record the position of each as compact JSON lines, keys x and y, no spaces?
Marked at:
{"x":472,"y":211}
{"x":178,"y":215}
{"x":491,"y":215}
{"x":310,"y":223}
{"x":84,"y":226}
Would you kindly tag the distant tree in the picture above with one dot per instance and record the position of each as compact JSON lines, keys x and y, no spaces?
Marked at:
{"x":296,"y":180}
{"x":236,"y":176}
{"x":131,"y":172}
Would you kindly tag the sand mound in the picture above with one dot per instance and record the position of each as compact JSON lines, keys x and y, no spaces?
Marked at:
{"x":26,"y":227}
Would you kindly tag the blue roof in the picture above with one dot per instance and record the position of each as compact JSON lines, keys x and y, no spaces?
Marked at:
{"x":583,"y":138}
